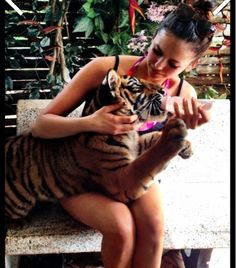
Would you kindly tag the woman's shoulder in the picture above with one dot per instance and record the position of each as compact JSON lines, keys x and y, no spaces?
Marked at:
{"x":111,"y":59}
{"x":107,"y":62}
{"x":187,"y":90}
{"x":182,"y":88}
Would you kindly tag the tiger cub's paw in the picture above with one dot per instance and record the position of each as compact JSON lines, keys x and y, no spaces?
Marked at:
{"x":175,"y":129}
{"x":186,"y":152}
{"x":173,"y":135}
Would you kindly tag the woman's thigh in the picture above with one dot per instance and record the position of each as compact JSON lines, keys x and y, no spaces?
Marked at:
{"x":99,"y":212}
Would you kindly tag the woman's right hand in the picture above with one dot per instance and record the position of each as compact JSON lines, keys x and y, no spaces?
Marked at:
{"x":105,"y":122}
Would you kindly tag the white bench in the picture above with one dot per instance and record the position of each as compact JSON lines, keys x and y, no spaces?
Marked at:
{"x":196,"y":195}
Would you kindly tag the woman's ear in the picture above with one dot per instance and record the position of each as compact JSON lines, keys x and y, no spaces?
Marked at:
{"x":192,"y":65}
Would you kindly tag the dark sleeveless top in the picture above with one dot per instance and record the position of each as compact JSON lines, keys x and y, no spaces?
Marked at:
{"x":158,"y":125}
{"x":134,"y":67}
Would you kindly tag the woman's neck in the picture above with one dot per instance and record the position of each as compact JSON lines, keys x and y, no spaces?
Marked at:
{"x":170,"y":85}
{"x":142,"y":72}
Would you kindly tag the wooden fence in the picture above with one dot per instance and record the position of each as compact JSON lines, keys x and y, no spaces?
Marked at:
{"x":213,"y":70}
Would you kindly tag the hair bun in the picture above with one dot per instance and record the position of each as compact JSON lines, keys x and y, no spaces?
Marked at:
{"x":204,"y":7}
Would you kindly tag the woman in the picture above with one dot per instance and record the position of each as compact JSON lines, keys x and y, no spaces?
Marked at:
{"x":132,"y":235}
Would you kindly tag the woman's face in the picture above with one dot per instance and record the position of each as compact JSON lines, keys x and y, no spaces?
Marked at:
{"x":168,"y":56}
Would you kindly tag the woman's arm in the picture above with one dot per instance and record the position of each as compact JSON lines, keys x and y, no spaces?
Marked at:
{"x":52,"y":121}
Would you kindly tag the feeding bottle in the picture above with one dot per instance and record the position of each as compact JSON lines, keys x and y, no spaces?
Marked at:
{"x":168,"y":104}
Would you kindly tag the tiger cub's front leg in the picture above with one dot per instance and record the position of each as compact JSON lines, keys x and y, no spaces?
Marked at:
{"x":139,"y":174}
{"x":147,"y":140}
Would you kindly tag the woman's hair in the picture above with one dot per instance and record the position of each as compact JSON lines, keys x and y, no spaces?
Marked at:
{"x":192,"y":24}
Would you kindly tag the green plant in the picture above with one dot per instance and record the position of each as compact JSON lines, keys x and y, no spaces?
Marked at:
{"x":106,"y":21}
{"x":44,"y":36}
{"x":211,"y":93}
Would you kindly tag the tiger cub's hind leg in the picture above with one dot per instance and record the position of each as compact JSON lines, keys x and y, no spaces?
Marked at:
{"x":18,"y":202}
{"x":147,"y":140}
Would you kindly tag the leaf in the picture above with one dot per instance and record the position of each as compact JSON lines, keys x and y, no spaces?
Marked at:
{"x":34,"y":47}
{"x":48,"y":15}
{"x":104,"y":49}
{"x":83,"y":25}
{"x":89,"y":30}
{"x":212,"y":93}
{"x":113,"y":51}
{"x":92,"y":14}
{"x":8,"y":83}
{"x":45,"y":42}
{"x":223,"y":96}
{"x":32,"y":32}
{"x":104,"y":36}
{"x":87,"y":6}
{"x":56,"y":89}
{"x":201,"y":95}
{"x":50,"y":78}
{"x":124,"y":22}
{"x":51,"y":29}
{"x":99,"y":24}
{"x":34,"y":95}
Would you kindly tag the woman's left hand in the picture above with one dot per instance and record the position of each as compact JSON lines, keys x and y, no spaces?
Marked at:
{"x":192,"y":113}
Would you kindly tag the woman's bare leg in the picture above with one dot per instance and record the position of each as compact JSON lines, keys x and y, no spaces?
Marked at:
{"x":149,"y":221}
{"x":113,"y":219}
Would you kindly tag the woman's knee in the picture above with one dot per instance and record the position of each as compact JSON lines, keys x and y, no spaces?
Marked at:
{"x":108,"y":216}
{"x":152,"y":231}
{"x":148,"y":213}
{"x":121,"y":226}
{"x":155,"y":229}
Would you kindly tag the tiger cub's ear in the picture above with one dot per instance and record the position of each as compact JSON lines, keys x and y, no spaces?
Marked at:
{"x":113,"y":81}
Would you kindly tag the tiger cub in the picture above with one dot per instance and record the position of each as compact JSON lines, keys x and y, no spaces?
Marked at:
{"x":120,"y":166}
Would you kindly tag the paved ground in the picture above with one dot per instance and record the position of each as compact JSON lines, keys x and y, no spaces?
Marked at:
{"x":220,"y":258}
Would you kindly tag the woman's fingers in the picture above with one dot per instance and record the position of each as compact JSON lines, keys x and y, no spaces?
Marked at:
{"x":190,"y":113}
{"x":177,"y":110}
{"x":205,"y":116}
{"x":112,"y":107}
{"x":109,"y":123}
{"x":123,"y":119}
{"x":187,"y":115}
{"x":121,"y":129}
{"x":195,"y":116}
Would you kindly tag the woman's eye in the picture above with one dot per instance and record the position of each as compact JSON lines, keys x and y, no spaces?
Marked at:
{"x":157,"y":52}
{"x":172,"y":65}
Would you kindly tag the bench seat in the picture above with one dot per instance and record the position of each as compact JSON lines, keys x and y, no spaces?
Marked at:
{"x":196,"y":196}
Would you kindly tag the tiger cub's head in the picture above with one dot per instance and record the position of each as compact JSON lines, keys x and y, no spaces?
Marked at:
{"x":139,"y":96}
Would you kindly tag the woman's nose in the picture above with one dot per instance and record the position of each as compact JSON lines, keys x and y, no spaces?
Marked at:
{"x":160,"y":63}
